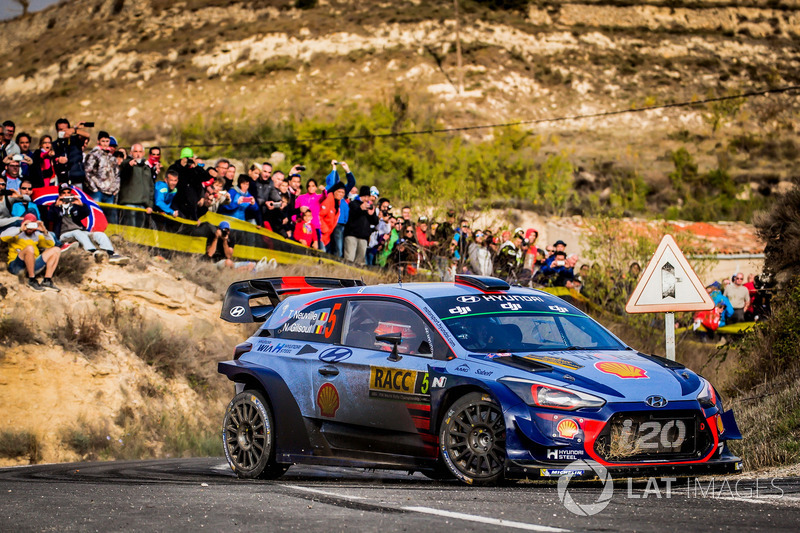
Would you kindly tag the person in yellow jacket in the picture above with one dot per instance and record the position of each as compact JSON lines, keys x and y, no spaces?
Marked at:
{"x":23,"y":252}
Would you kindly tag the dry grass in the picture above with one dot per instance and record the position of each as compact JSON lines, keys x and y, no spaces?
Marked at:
{"x":769,"y":419}
{"x":73,"y":265}
{"x":81,"y":334}
{"x":15,"y":330}
{"x":15,"y":444}
{"x":622,"y":444}
{"x":144,"y":436}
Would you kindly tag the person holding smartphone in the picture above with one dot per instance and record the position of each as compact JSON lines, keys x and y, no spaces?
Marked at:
{"x":24,"y":244}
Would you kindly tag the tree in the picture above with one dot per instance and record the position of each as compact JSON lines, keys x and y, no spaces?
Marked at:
{"x":25,"y":4}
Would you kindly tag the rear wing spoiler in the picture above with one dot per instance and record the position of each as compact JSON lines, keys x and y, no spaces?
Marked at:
{"x":236,"y":307}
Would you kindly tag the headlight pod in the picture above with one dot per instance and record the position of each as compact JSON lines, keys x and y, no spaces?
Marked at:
{"x":707,"y":396}
{"x":550,"y":396}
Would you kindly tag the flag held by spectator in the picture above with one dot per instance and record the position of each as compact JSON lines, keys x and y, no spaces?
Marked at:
{"x":96,"y":221}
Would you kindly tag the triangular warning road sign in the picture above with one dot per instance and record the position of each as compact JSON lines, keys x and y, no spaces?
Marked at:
{"x":669,"y":284}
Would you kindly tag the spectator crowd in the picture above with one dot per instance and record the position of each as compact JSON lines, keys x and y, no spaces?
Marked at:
{"x":341,"y":217}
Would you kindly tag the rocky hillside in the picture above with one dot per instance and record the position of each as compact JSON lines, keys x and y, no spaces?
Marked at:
{"x":140,"y":68}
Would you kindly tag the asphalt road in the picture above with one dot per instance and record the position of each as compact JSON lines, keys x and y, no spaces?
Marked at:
{"x":202,"y":494}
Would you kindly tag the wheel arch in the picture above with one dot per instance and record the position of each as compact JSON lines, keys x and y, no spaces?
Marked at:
{"x":290,"y":430}
{"x":449,"y":397}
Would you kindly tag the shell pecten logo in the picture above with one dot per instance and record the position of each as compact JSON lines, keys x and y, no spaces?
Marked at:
{"x":621,"y":370}
{"x":567,"y":428}
{"x":328,"y":400}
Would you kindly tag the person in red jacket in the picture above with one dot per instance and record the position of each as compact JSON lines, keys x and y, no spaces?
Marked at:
{"x":329,"y":212}
{"x":304,"y":231}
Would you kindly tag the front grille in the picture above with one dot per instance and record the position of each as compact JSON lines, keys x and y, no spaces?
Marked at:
{"x":654,"y":436}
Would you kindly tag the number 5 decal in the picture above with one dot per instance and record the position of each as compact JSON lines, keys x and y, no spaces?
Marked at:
{"x":332,"y":320}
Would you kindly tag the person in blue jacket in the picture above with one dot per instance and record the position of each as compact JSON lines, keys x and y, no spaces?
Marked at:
{"x":165,"y":192}
{"x":715,"y":291}
{"x":242,"y":202}
{"x":337,"y":237}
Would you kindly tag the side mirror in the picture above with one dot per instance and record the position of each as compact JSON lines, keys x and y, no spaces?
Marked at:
{"x":394,"y":339}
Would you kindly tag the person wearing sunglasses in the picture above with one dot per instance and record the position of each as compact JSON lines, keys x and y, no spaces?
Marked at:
{"x":739,"y":297}
{"x":24,"y":204}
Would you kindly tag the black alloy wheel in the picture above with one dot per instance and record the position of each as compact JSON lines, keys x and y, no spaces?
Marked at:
{"x":248,"y":437}
{"x":472,"y":440}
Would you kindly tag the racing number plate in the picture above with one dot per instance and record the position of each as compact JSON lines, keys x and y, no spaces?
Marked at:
{"x":633,"y":435}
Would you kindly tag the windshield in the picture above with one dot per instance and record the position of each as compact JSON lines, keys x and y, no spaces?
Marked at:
{"x":521,"y":326}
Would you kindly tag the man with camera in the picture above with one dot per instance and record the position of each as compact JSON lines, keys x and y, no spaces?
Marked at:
{"x":7,"y":199}
{"x":360,"y":224}
{"x":68,"y":148}
{"x":12,"y":172}
{"x":67,"y":214}
{"x":135,"y":186}
{"x":24,"y":243}
{"x":190,"y":198}
{"x":219,"y":248}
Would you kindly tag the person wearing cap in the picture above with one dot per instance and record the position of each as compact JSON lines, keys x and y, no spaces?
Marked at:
{"x":102,"y":174}
{"x":361,"y":223}
{"x":558,"y":269}
{"x":24,"y":244}
{"x":67,"y":214}
{"x":720,"y":300}
{"x":136,"y":187}
{"x":336,"y":246}
{"x":190,"y":198}
{"x":509,"y":257}
{"x":220,"y":244}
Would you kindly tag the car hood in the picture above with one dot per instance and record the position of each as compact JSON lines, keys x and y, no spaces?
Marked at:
{"x":617,"y":375}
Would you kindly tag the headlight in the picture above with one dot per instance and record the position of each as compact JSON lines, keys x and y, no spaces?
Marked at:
{"x":550,"y":396}
{"x":707,"y":396}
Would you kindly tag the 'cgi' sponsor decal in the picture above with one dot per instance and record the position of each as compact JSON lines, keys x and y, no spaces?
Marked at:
{"x":398,"y":384}
{"x":567,"y":428}
{"x":328,"y":400}
{"x":621,"y":370}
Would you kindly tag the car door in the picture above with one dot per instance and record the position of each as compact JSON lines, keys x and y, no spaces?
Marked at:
{"x":301,"y":335}
{"x":384,"y":403}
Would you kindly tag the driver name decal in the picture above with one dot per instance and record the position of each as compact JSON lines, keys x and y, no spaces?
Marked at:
{"x":398,"y":384}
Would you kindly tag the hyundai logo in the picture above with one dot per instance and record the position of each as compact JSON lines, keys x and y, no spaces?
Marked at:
{"x":237,"y":311}
{"x":656,"y":401}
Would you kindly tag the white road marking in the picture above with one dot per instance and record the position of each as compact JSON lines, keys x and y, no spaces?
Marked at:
{"x":446,"y":514}
{"x":326,"y":493}
{"x":485,"y":519}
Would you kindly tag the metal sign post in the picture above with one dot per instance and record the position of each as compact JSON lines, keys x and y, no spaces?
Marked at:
{"x":669,"y":329}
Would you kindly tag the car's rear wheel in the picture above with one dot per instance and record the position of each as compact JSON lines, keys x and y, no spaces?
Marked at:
{"x":249,"y":438}
{"x":472,"y":440}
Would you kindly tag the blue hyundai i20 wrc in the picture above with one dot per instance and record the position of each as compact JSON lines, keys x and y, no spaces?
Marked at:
{"x":474,"y":380}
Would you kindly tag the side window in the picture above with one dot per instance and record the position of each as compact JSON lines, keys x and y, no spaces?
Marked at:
{"x":319,"y":322}
{"x":368,"y":318}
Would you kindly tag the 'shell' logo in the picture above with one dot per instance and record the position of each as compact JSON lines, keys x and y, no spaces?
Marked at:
{"x":567,"y":428}
{"x":328,"y":400}
{"x":621,"y":370}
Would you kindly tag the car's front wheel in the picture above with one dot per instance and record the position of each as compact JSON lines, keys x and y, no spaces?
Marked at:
{"x":249,"y":438}
{"x":472,"y":439}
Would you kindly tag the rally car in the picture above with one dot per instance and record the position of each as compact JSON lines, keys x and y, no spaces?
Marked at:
{"x":475,"y":380}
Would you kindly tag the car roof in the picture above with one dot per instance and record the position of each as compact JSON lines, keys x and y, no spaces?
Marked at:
{"x":424,"y":291}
